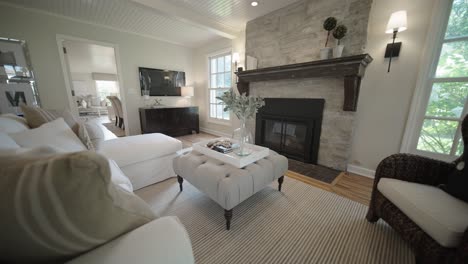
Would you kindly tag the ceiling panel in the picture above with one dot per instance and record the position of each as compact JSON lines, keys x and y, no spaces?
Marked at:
{"x":126,"y":16}
{"x":234,"y":13}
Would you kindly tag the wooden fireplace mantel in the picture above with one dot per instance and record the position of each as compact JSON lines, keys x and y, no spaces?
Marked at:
{"x":352,"y":68}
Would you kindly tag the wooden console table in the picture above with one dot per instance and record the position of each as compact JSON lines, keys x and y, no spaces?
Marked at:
{"x":171,"y":121}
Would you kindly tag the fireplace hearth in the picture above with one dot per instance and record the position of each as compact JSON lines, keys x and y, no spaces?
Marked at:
{"x":291,"y":127}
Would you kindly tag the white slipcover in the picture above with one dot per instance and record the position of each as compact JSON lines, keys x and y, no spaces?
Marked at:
{"x":163,"y":240}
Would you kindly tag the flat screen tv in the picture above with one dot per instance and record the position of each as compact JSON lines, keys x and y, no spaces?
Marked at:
{"x":161,"y":82}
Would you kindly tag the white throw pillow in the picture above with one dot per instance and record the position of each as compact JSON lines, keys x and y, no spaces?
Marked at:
{"x":10,"y":123}
{"x":56,"y":134}
{"x":6,"y":142}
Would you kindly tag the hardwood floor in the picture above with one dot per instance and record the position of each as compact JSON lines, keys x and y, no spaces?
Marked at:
{"x":352,"y":186}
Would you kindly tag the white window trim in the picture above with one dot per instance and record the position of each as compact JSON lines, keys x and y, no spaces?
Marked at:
{"x":207,"y":61}
{"x":429,"y":60}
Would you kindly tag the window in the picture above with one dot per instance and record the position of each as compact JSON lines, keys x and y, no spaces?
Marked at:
{"x":447,"y":90}
{"x":106,"y":88}
{"x":219,"y":82}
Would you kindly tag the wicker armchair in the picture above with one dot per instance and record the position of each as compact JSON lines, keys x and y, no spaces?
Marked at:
{"x":422,"y":170}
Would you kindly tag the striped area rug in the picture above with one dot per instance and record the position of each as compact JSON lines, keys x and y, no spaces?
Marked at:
{"x":302,"y":224}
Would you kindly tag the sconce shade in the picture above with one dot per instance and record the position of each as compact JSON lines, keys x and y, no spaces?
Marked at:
{"x":235,"y":57}
{"x":187,"y":91}
{"x":7,"y":58}
{"x":397,"y":22}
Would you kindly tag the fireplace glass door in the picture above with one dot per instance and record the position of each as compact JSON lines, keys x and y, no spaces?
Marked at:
{"x":285,"y":136}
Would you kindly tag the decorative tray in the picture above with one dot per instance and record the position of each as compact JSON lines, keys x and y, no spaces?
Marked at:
{"x":231,"y":158}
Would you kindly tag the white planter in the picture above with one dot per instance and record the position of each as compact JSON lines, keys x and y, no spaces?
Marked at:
{"x":338,"y":51}
{"x":325,"y":53}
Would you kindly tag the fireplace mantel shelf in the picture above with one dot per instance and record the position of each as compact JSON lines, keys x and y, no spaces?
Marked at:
{"x":352,"y":68}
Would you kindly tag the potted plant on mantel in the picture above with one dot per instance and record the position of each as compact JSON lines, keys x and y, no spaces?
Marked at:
{"x":329,"y":24}
{"x":339,"y":33}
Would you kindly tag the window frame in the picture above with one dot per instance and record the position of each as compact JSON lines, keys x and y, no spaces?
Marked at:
{"x":426,"y":78}
{"x":219,"y":53}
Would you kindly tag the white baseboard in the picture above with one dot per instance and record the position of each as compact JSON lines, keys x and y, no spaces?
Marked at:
{"x":214,"y":132}
{"x":361,"y":171}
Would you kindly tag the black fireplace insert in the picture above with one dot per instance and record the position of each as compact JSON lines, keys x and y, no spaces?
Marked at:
{"x":291,"y":127}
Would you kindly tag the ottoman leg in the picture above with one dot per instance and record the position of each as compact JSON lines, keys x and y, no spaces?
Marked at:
{"x":180,"y":180}
{"x":228,"y":216}
{"x":280,"y":182}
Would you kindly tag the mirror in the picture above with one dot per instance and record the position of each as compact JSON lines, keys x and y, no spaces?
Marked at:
{"x":17,"y":83}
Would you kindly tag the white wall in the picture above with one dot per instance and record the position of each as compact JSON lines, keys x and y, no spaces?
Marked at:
{"x":40,"y":30}
{"x":385,"y":97}
{"x":200,"y":62}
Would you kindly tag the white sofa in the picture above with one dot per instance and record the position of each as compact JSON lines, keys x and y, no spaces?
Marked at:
{"x":138,"y":161}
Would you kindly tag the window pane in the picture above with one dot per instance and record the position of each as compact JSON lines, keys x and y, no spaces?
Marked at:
{"x":219,"y":111}
{"x":437,"y":136}
{"x":227,"y":80}
{"x":458,"y":21}
{"x":220,"y":80}
{"x":221,"y":64}
{"x":226,"y":115}
{"x":447,"y":99}
{"x":453,"y":61}
{"x":212,"y":96}
{"x":213,"y":66}
{"x":213,"y":110}
{"x":459,"y":148}
{"x":227,"y":63}
{"x":213,"y":81}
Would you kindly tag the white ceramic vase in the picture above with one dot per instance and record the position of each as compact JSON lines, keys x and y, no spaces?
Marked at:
{"x":338,"y":51}
{"x":325,"y":53}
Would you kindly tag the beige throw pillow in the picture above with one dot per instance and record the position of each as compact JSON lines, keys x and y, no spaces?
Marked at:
{"x":54,"y":208}
{"x":37,"y":116}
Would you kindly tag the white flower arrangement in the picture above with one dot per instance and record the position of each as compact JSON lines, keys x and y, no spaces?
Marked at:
{"x":243,"y":106}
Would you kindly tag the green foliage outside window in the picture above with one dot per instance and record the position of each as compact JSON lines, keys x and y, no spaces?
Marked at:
{"x":448,"y":98}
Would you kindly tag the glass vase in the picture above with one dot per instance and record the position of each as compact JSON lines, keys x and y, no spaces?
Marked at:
{"x":243,"y":136}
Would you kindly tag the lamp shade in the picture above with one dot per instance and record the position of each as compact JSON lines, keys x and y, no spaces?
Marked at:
{"x":7,"y":58}
{"x":397,"y":22}
{"x":187,"y":91}
{"x":235,"y":57}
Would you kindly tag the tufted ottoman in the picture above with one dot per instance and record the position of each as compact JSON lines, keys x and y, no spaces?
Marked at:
{"x":226,"y":184}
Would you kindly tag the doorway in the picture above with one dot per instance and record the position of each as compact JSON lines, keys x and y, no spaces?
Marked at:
{"x":91,"y":73}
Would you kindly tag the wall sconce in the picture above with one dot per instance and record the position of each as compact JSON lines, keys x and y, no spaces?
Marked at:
{"x":187,"y":91}
{"x":397,"y":23}
{"x":235,"y":59}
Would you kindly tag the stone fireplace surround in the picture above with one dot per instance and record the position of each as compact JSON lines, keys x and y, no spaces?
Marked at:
{"x":294,"y":34}
{"x":337,"y":125}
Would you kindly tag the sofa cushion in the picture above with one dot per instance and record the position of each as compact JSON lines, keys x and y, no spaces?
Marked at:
{"x":6,"y":142}
{"x":164,"y":240}
{"x":133,"y":149}
{"x":10,"y":123}
{"x":61,"y":206}
{"x":440,"y":215}
{"x":56,"y":134}
{"x":118,"y":177}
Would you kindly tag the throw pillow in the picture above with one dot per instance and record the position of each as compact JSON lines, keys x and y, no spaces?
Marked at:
{"x":37,"y":116}
{"x":95,"y":133}
{"x":56,"y":134}
{"x":457,"y":181}
{"x":54,"y":208}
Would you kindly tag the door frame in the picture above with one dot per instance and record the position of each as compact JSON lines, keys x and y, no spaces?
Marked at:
{"x":66,"y":72}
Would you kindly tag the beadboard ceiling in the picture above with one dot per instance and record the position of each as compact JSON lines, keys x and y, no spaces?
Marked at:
{"x":185,"y":22}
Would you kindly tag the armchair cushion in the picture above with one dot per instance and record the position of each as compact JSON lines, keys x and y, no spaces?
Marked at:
{"x":440,"y":215}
